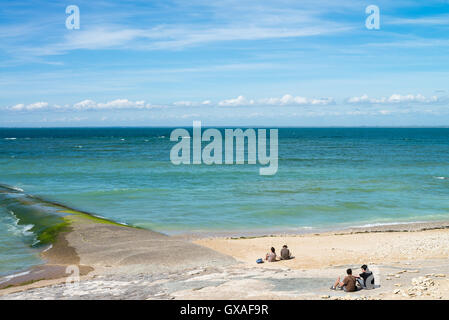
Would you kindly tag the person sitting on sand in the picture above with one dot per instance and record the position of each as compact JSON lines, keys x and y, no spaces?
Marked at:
{"x":285,"y":253}
{"x":271,"y":257}
{"x":366,"y":279}
{"x":349,"y":283}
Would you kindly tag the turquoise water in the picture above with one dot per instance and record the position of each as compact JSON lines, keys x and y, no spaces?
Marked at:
{"x":327,"y":178}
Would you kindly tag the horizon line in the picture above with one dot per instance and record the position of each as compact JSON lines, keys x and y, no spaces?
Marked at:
{"x":241,"y":126}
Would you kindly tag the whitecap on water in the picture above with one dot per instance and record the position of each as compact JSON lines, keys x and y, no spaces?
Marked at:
{"x":12,"y":276}
{"x":19,"y":230}
{"x":17,"y":189}
{"x":48,"y":248}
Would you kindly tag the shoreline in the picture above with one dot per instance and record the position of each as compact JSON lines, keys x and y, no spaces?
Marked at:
{"x":99,"y":246}
{"x":314,"y":254}
{"x":112,"y":255}
{"x":64,"y":212}
{"x":364,"y":228}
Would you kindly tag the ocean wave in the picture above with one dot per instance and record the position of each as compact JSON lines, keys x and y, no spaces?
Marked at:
{"x":441,"y":178}
{"x":17,"y":189}
{"x":19,"y":230}
{"x":48,"y":248}
{"x":104,"y":218}
{"x":10,"y":138}
{"x":381,"y":224}
{"x":10,"y":188}
{"x":12,"y":276}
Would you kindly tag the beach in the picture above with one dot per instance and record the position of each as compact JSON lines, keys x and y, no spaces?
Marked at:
{"x":409,"y":261}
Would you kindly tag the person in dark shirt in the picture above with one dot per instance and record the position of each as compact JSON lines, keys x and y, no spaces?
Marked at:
{"x":349,"y":283}
{"x":285,"y":253}
{"x":366,"y":279}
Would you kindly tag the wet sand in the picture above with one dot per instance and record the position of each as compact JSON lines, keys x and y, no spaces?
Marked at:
{"x":109,"y":248}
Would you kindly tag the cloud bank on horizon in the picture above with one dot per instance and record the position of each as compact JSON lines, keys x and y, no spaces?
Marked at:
{"x":247,"y":62}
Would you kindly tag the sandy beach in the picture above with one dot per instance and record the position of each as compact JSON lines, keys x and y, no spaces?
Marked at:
{"x":409,"y":261}
{"x":376,"y":245}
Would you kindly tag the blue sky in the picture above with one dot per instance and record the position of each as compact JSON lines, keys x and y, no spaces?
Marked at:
{"x":242,"y":63}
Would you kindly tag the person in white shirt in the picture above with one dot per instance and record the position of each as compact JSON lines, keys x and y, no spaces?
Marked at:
{"x":271,"y":256}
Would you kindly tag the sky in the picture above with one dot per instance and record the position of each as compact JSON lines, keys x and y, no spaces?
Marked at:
{"x":225,"y":63}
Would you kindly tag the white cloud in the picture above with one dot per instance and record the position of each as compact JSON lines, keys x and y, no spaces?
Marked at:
{"x":289,"y":100}
{"x":240,"y":101}
{"x":286,"y":100}
{"x":236,"y":21}
{"x":84,"y":105}
{"x":29,"y":107}
{"x":17,"y":107}
{"x":184,"y":103}
{"x":122,"y":104}
{"x":429,"y":20}
{"x":393,"y":99}
{"x":192,"y":103}
{"x":237,"y":102}
{"x":363,"y":99}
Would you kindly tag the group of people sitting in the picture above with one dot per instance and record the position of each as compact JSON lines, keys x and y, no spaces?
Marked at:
{"x":350,"y":283}
{"x":285,"y":254}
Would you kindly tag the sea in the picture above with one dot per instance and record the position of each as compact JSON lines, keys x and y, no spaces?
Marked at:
{"x":327,"y":178}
